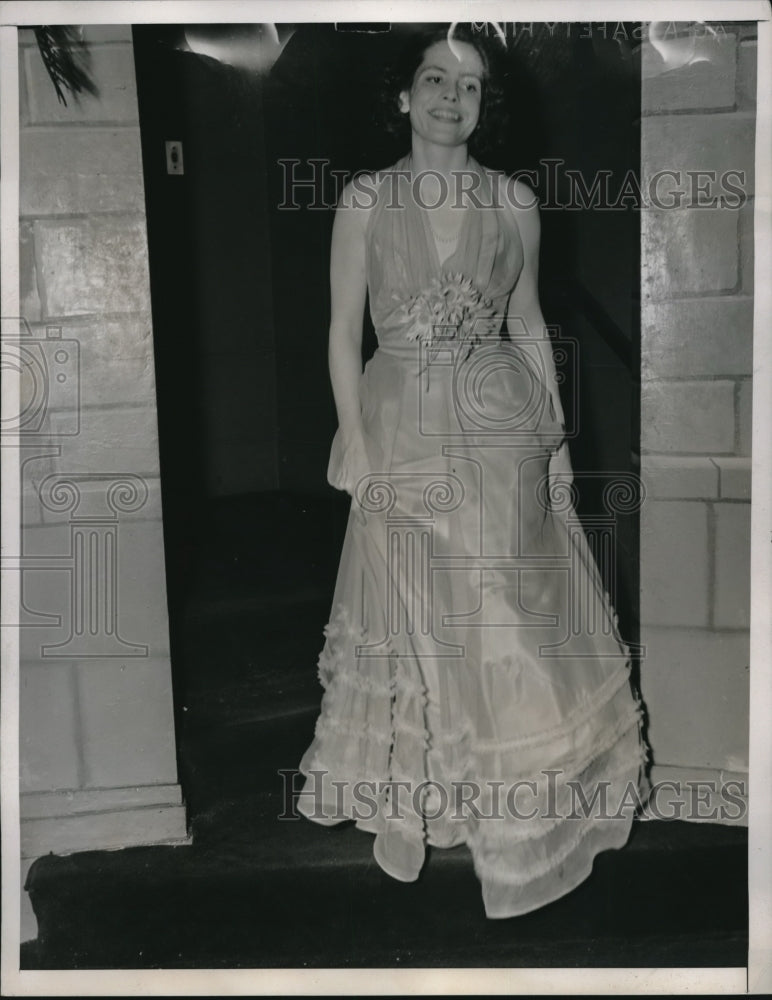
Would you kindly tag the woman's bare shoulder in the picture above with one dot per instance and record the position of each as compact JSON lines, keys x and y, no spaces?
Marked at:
{"x":520,"y":200}
{"x":363,"y":190}
{"x":357,"y":202}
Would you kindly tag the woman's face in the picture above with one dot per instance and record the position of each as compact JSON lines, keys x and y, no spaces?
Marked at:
{"x":444,"y":99}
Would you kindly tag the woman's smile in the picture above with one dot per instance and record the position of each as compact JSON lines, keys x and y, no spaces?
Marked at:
{"x":445,"y":114}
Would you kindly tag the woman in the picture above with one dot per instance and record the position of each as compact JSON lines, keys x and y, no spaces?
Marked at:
{"x":475,"y":689}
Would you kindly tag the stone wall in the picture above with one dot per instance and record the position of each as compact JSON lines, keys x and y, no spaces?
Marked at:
{"x":697,"y":318}
{"x":97,"y":749}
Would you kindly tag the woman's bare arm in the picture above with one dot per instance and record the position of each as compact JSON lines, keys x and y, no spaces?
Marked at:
{"x":348,"y":286}
{"x":524,"y":307}
{"x":348,"y":289}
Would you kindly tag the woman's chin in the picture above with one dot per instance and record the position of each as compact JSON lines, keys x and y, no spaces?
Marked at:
{"x":444,"y":138}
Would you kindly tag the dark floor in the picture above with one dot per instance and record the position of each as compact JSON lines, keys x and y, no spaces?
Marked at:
{"x":255,"y":892}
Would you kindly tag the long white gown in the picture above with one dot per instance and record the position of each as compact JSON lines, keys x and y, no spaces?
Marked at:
{"x":471,"y":653}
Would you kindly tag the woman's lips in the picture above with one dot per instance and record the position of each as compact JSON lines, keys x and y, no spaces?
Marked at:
{"x":445,"y":116}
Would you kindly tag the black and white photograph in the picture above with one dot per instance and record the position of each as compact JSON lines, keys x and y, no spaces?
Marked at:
{"x":386,"y":498}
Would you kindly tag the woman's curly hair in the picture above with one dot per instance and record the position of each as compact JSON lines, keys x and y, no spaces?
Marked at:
{"x":401,"y":71}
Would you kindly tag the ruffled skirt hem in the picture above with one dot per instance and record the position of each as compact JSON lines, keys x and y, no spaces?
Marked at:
{"x":522,"y":863}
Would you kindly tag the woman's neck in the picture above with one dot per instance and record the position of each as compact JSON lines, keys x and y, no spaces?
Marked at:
{"x":445,"y":160}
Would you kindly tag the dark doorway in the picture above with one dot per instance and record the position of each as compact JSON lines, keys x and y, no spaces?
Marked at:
{"x":239,"y":280}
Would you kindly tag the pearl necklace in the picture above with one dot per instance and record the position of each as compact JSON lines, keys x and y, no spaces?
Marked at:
{"x":443,"y":239}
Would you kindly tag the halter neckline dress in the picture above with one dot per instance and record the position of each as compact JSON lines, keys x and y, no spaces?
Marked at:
{"x":475,"y":689}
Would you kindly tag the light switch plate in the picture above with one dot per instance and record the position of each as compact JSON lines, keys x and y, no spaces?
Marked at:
{"x":174,"y":164}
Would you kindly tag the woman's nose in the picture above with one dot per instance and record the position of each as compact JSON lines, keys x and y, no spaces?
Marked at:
{"x":451,"y":92}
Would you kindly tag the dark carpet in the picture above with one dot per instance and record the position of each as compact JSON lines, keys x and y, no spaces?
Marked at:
{"x":252,"y":891}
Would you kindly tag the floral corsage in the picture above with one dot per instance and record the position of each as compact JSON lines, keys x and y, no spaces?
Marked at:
{"x":450,"y":309}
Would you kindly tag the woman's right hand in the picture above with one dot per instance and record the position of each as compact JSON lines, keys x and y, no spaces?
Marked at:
{"x":353,"y":466}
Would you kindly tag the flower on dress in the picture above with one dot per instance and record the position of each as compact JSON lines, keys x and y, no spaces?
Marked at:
{"x":451,"y":308}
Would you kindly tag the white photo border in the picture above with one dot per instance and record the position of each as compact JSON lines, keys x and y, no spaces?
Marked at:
{"x":757,"y":977}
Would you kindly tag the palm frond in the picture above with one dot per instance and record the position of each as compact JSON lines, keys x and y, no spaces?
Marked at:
{"x":66,"y":57}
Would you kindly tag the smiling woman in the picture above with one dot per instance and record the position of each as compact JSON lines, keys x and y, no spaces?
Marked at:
{"x":444,"y":99}
{"x":400,"y":77}
{"x":443,"y":104}
{"x":476,"y":690}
